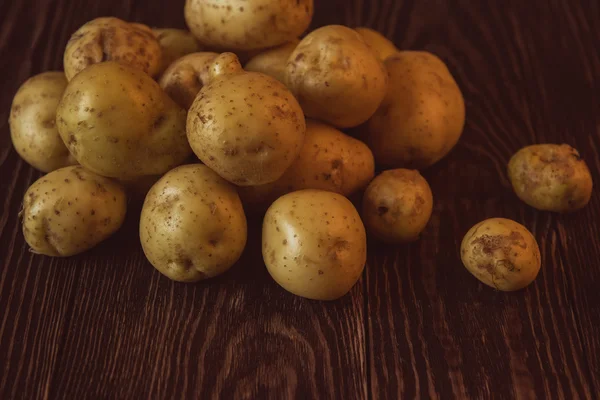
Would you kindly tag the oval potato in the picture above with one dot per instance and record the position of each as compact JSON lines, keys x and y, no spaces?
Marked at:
{"x":379,"y":43}
{"x":273,"y":61}
{"x":174,"y":43}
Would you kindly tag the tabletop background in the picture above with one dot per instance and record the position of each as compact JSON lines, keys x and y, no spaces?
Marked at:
{"x":105,"y":324}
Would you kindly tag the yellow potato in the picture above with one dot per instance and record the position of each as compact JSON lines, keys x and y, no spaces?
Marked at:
{"x":174,"y":43}
{"x":379,"y":43}
{"x":272,"y":61}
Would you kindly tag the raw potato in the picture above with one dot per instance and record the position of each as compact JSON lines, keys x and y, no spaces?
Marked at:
{"x":422,"y":116}
{"x":112,"y":39}
{"x":119,"y":123}
{"x":33,"y":122}
{"x":247,"y":24}
{"x":336,"y":76}
{"x":379,"y":43}
{"x":245,"y":126}
{"x":192,"y":226}
{"x":186,"y":76}
{"x":71,"y":210}
{"x":551,"y":177}
{"x":501,"y":253}
{"x":397,"y":205}
{"x":273,"y":61}
{"x":174,"y":43}
{"x":314,"y":244}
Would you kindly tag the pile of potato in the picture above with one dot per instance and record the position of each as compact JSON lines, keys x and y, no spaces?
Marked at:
{"x":134,"y":104}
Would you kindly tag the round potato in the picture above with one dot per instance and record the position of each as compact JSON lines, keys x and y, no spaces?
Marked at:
{"x":246,"y":126}
{"x":336,"y":77}
{"x":501,"y":253}
{"x":422,"y":116}
{"x":382,"y":46}
{"x":314,"y":244}
{"x":119,"y":123}
{"x":33,"y":122}
{"x":112,"y":39}
{"x":397,"y":205}
{"x":192,"y":225}
{"x":71,"y":210}
{"x":272,"y":62}
{"x":174,"y":43}
{"x":551,"y":177}
{"x":247,"y":24}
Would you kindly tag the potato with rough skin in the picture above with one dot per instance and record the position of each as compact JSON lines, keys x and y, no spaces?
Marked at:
{"x":117,"y":122}
{"x":175,"y":43}
{"x":501,"y":253}
{"x":314,"y":244}
{"x":397,"y":205}
{"x":33,"y":122}
{"x":272,"y":62}
{"x":192,"y":225}
{"x":379,"y":43}
{"x":551,"y":177}
{"x":71,"y":210}
{"x":336,"y":77}
{"x":112,"y":39}
{"x":246,"y":126}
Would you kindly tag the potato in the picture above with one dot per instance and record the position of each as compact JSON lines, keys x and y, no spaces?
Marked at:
{"x":245,"y":126}
{"x":272,"y":61}
{"x":247,"y":24}
{"x":71,"y":210}
{"x":33,"y":122}
{"x":551,"y":177}
{"x":174,"y":44}
{"x":382,"y":46}
{"x":397,"y":205}
{"x":118,"y":122}
{"x":111,"y":39}
{"x":186,"y":76}
{"x":192,"y":226}
{"x":336,"y":77}
{"x":329,"y":160}
{"x":314,"y":244}
{"x":501,"y":253}
{"x":422,"y":116}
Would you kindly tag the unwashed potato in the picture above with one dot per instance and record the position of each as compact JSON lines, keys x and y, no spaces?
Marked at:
{"x":397,"y":205}
{"x":246,"y":126}
{"x":336,"y":76}
{"x":272,"y":61}
{"x":192,"y":225}
{"x":314,"y":244}
{"x":551,"y":177}
{"x":71,"y":210}
{"x":119,"y":123}
{"x":501,"y":253}
{"x":247,"y":24}
{"x":112,"y":39}
{"x":33,"y":122}
{"x":379,"y":43}
{"x":422,"y":116}
{"x":175,"y":43}
{"x":186,"y":76}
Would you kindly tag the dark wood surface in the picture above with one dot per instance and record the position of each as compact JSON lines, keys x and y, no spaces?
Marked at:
{"x":105,"y":324}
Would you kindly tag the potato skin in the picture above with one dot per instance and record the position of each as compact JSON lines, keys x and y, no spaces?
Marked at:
{"x":117,"y":122}
{"x":381,"y":45}
{"x":112,"y":39}
{"x":273,"y":61}
{"x":314,"y":244}
{"x":174,"y":44}
{"x":501,"y":253}
{"x":551,"y":177}
{"x":33,"y":122}
{"x":422,"y":116}
{"x":192,"y":226}
{"x":71,"y":210}
{"x":397,"y":205}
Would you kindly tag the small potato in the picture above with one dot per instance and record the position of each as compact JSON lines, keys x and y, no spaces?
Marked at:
{"x":112,"y":39}
{"x":71,"y":210}
{"x":314,"y":244}
{"x":272,"y":61}
{"x":33,"y":122}
{"x":192,"y":226}
{"x":397,"y":205}
{"x":501,"y":253}
{"x":379,"y":43}
{"x":551,"y":177}
{"x":174,"y":43}
{"x":336,"y":77}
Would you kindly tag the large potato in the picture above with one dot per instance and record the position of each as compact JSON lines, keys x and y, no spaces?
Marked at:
{"x":33,"y":122}
{"x":112,"y":39}
{"x":174,"y":43}
{"x":379,"y":43}
{"x":422,"y":116}
{"x":314,"y":244}
{"x":245,"y":126}
{"x":336,"y":77}
{"x":247,"y":24}
{"x":192,"y":225}
{"x":118,"y":122}
{"x":272,"y":61}
{"x":71,"y":210}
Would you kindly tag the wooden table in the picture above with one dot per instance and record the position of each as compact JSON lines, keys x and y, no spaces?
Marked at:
{"x":107,"y":325}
